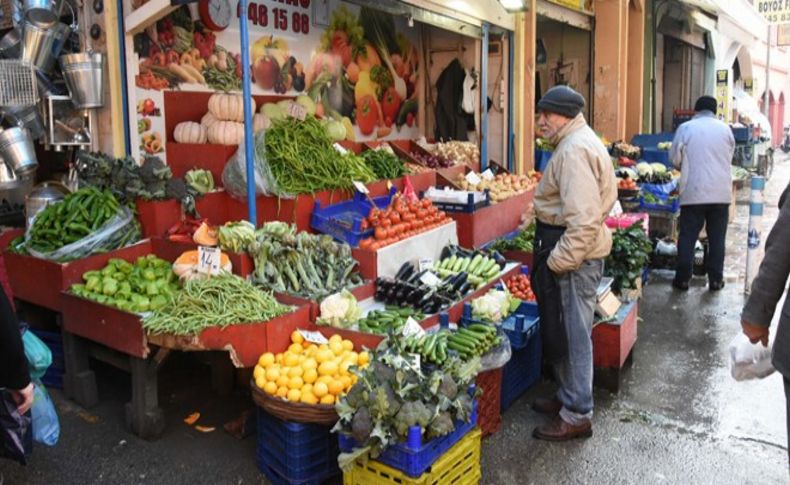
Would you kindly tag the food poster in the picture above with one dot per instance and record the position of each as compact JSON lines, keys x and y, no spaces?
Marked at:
{"x":359,"y":65}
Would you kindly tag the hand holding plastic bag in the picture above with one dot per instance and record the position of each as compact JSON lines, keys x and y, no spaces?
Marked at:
{"x":46,"y":427}
{"x":748,"y":360}
{"x":15,"y":439}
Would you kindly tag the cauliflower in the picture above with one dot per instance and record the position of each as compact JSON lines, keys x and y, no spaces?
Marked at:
{"x":494,"y":306}
{"x":339,"y":310}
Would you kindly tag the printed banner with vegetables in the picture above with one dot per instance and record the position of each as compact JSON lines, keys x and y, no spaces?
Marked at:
{"x":358,"y":64}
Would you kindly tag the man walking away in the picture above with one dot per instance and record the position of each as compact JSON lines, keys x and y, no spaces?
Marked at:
{"x":574,"y":197}
{"x":702,"y":149}
{"x":767,"y":289}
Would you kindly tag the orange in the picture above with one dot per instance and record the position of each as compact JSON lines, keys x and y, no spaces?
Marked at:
{"x":296,"y":337}
{"x":336,"y":387}
{"x":320,"y":389}
{"x":270,"y":388}
{"x":327,"y":368}
{"x":310,"y":376}
{"x":296,"y":372}
{"x":328,"y":399}
{"x":291,"y":359}
{"x":294,"y":395}
{"x":282,"y":381}
{"x":282,"y":391}
{"x":295,"y":383}
{"x":266,"y":359}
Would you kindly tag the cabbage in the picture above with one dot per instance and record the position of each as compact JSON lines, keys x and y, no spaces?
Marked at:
{"x":658,"y":168}
{"x":644,"y":169}
{"x":336,"y":130}
{"x":273,"y":111}
{"x":493,"y":307}
{"x":307,"y":103}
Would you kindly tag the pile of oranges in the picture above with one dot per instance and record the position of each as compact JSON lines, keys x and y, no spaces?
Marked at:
{"x":310,"y":373}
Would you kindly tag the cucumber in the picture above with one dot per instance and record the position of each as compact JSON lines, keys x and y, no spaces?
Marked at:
{"x":483,"y":328}
{"x":475,"y":263}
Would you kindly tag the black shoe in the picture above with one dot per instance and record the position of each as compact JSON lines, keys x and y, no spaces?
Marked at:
{"x":716,"y":285}
{"x":681,"y":285}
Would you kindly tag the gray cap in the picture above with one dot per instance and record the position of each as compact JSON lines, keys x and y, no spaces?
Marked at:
{"x":562,"y":100}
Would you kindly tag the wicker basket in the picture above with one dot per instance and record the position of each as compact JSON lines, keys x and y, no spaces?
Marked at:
{"x":294,"y":411}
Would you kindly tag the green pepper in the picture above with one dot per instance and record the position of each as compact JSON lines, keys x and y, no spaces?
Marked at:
{"x":107,"y":270}
{"x":149,"y":274}
{"x":141,"y":262}
{"x":144,"y":304}
{"x":152,"y":289}
{"x":78,"y":289}
{"x":93,"y":283}
{"x":125,"y":289}
{"x":109,"y":286}
{"x":157,"y":302}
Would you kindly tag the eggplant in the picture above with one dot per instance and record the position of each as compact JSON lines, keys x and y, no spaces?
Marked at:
{"x":500,"y":260}
{"x":405,"y":271}
{"x":459,"y":281}
{"x":465,"y":288}
{"x":414,"y":297}
{"x":415,"y":278}
{"x":403,"y":290}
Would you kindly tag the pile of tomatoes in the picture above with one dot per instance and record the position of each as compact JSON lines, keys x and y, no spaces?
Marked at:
{"x":627,"y":184}
{"x":520,"y":287}
{"x":401,"y":220}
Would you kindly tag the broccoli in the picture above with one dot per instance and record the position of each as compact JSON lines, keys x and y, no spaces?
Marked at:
{"x":412,"y":413}
{"x":361,"y":425}
{"x":448,"y":387}
{"x":154,"y":169}
{"x":382,"y":371}
{"x":176,"y":189}
{"x":355,"y":396}
{"x":384,"y":402}
{"x":441,"y":425}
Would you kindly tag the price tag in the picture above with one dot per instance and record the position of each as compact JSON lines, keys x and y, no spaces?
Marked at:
{"x":473,"y":178}
{"x":314,"y":337}
{"x":425,"y":263}
{"x":361,"y":187}
{"x":617,"y":209}
{"x":411,"y":327}
{"x":208,"y":260}
{"x":413,"y":361}
{"x":340,"y":149}
{"x":430,"y":279}
{"x":488,"y":174}
{"x":296,"y":110}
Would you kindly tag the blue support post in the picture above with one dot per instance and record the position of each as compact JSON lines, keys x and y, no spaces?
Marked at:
{"x":249,"y":138}
{"x":124,"y":85}
{"x":511,"y":136}
{"x":484,"y":100}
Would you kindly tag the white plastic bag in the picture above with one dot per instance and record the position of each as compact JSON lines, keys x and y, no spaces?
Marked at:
{"x":748,"y":360}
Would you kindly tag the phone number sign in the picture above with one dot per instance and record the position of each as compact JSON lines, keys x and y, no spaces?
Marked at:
{"x":283,"y":15}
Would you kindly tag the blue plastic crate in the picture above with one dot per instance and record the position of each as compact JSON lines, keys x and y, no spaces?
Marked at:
{"x":54,"y":340}
{"x":656,"y":155}
{"x":542,"y":158}
{"x":343,"y":220}
{"x":522,"y":370}
{"x":413,"y":457}
{"x":672,"y":207}
{"x":295,"y":453}
{"x":742,"y":134}
{"x":648,"y":140}
{"x":520,"y":324}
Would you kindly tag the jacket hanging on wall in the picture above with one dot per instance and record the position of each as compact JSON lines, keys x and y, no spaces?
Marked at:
{"x":452,"y":122}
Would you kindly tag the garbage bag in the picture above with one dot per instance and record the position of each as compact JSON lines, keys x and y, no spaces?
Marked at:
{"x":120,"y":231}
{"x":748,"y":360}
{"x":234,"y":175}
{"x":15,"y":437}
{"x":38,"y":355}
{"x":499,"y":355}
{"x":46,"y":427}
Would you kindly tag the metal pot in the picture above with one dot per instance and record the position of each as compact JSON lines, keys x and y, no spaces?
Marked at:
{"x":84,"y":75}
{"x":42,"y":195}
{"x":42,"y":45}
{"x":12,"y":188}
{"x":43,"y":13}
{"x":16,"y":148}
{"x":27,"y":117}
{"x":11,"y":44}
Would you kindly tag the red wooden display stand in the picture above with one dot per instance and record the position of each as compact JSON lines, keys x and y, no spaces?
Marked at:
{"x":361,"y":292}
{"x":613,"y":343}
{"x":157,"y":216}
{"x":214,"y":207}
{"x":484,"y":225}
{"x":522,"y":257}
{"x":40,"y":281}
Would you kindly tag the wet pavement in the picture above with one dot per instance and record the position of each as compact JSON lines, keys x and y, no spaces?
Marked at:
{"x":678,"y":418}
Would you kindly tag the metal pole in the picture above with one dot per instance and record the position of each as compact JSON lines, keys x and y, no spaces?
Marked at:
{"x":484,"y":100}
{"x":511,"y":46}
{"x":249,"y":138}
{"x":766,"y":96}
{"x":753,"y":256}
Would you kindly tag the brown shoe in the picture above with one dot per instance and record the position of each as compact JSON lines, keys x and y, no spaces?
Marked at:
{"x":559,"y":430}
{"x":550,"y":406}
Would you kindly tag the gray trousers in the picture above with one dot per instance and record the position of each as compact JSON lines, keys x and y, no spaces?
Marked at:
{"x":575,"y":372}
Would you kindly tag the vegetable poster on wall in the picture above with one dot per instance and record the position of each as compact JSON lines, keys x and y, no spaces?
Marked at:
{"x":358,"y":65}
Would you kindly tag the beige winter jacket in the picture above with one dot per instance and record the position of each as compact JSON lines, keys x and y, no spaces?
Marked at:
{"x":577,"y":191}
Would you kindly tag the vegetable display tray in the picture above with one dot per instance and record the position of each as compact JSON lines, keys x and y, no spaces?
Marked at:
{"x":460,"y":465}
{"x":522,"y":370}
{"x":414,"y":456}
{"x":489,"y":415}
{"x":295,"y":453}
{"x":672,"y":207}
{"x":343,"y":221}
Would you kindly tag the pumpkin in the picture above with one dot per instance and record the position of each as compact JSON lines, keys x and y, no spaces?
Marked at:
{"x":205,"y":235}
{"x":260,"y":122}
{"x":189,"y":132}
{"x":228,"y":107}
{"x":226,"y":133}
{"x":185,"y":267}
{"x":208,"y":120}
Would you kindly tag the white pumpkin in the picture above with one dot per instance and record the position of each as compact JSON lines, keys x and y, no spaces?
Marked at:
{"x":228,"y":107}
{"x":226,"y":133}
{"x":208,"y":120}
{"x":190,"y":132}
{"x":260,"y":122}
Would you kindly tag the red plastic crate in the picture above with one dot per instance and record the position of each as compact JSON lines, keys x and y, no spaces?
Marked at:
{"x":489,"y":414}
{"x":157,"y":216}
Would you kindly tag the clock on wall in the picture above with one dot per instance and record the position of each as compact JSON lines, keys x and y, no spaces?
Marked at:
{"x":215,"y":14}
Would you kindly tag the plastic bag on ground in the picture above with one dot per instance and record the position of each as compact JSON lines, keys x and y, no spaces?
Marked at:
{"x":46,"y":426}
{"x":15,"y":438}
{"x":499,"y":355}
{"x":748,"y":360}
{"x":234,"y":175}
{"x":38,"y":355}
{"x":120,"y":231}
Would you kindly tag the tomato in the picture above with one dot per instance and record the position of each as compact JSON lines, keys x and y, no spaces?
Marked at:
{"x":365,"y":243}
{"x":441,"y":214}
{"x":375,"y":223}
{"x":409,"y":217}
{"x":433,"y":209}
{"x":395,"y":218}
{"x":364,"y":225}
{"x":375,"y":246}
{"x":422,"y":214}
{"x":426,"y":202}
{"x":374,"y":213}
{"x":380,"y":233}
{"x":386,"y":222}
{"x":414,"y":206}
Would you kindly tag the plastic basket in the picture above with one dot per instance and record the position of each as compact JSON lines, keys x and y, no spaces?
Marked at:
{"x":672,"y":207}
{"x":413,"y":457}
{"x":651,"y":140}
{"x":468,"y":207}
{"x":656,"y":155}
{"x":343,"y":220}
{"x":54,"y":375}
{"x":741,"y":133}
{"x":522,"y":370}
{"x":295,"y":453}
{"x":460,"y":465}
{"x":489,"y":414}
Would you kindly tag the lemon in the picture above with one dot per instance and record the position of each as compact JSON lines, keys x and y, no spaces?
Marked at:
{"x":258,"y":372}
{"x":279,"y":358}
{"x":309,"y":363}
{"x":335,"y":338}
{"x":352,"y":357}
{"x":282,"y":391}
{"x":295,"y":349}
{"x":324,"y":355}
{"x":282,"y":381}
{"x":310,"y":376}
{"x":272,"y":374}
{"x":325,"y":379}
{"x":328,"y":399}
{"x":266,"y":359}
{"x":270,"y":388}
{"x":346,"y":381}
{"x":261,"y":381}
{"x":364,"y":358}
{"x":295,"y":383}
{"x":296,"y":372}
{"x":307,"y":388}
{"x":296,"y":337}
{"x":348,"y":345}
{"x":294,"y":395}
{"x":291,"y":359}
{"x":335,"y":387}
{"x":327,"y":368}
{"x":344,"y":367}
{"x":309,"y":398}
{"x":320,"y":389}
{"x":336,"y":347}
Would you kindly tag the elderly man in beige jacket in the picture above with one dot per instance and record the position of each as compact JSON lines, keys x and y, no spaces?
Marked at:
{"x":575,"y":195}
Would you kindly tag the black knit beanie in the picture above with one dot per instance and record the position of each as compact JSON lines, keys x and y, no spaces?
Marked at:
{"x":562,"y":100}
{"x":705,"y":103}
